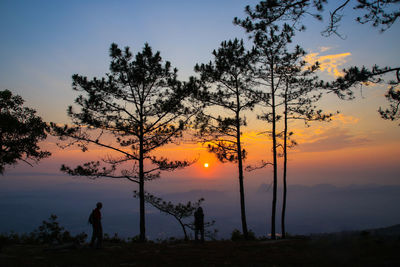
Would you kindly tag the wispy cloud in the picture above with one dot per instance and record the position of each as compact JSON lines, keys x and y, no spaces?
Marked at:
{"x":325,"y":48}
{"x":332,"y":139}
{"x":345,"y":119}
{"x":337,"y":134}
{"x":328,"y":63}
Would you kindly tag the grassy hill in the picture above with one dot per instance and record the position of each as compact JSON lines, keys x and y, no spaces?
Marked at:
{"x":374,"y":247}
{"x":355,"y":251}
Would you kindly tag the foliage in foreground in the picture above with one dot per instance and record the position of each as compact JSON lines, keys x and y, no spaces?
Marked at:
{"x":236,"y":235}
{"x":20,"y":131}
{"x":181,"y":212}
{"x":49,"y":233}
{"x":354,"y":251}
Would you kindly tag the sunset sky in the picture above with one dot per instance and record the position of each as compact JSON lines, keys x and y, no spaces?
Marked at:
{"x":45,"y":42}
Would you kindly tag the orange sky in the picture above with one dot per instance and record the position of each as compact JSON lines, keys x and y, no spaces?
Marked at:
{"x":356,"y":145}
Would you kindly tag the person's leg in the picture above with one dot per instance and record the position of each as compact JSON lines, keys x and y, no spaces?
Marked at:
{"x":202,"y":234}
{"x":100,"y":238}
{"x":196,"y":233}
{"x":94,"y":234}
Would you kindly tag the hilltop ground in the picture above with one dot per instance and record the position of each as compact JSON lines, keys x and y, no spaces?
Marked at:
{"x":324,"y":251}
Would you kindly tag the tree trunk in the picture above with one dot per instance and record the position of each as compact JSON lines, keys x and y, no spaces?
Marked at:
{"x":141,"y":186}
{"x":275,"y":181}
{"x":240,"y":169}
{"x":284,"y":167}
{"x":184,"y":229}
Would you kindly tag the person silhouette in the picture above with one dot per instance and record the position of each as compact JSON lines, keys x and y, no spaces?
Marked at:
{"x":199,"y":224}
{"x":97,"y":235}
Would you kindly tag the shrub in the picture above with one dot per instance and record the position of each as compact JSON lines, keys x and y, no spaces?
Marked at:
{"x":113,"y":239}
{"x":50,"y":232}
{"x":134,"y":239}
{"x":238,"y":236}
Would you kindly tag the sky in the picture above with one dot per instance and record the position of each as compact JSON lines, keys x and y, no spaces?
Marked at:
{"x":45,"y":42}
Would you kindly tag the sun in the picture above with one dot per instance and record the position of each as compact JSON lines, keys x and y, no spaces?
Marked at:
{"x":205,"y":165}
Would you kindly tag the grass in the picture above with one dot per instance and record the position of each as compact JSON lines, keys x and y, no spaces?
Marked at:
{"x":325,"y":251}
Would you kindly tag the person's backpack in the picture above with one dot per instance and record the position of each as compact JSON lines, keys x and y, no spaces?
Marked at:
{"x":91,"y":218}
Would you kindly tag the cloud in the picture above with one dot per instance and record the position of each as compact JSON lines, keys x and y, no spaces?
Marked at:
{"x":332,"y":139}
{"x":324,"y":48}
{"x":338,"y":134}
{"x":344,"y":119}
{"x":258,"y":136}
{"x":328,"y":63}
{"x":309,"y":134}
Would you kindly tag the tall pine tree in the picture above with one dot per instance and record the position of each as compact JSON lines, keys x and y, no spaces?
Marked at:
{"x":133,"y":111}
{"x":227,"y":85}
{"x":300,"y":91}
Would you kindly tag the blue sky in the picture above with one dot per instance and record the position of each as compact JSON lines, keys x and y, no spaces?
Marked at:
{"x":45,"y":42}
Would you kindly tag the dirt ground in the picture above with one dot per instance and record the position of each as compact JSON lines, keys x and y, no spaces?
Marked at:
{"x":216,"y":253}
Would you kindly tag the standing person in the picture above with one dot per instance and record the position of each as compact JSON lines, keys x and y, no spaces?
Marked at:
{"x":199,"y":224}
{"x":95,"y":220}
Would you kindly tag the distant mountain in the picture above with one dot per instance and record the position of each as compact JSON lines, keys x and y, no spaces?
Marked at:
{"x":393,"y":230}
{"x":390,"y":232}
{"x":324,"y":208}
{"x":329,"y":188}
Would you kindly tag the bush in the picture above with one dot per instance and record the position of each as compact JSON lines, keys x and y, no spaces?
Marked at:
{"x":114,"y":239}
{"x":14,"y":238}
{"x":134,"y":239}
{"x":238,"y":236}
{"x":50,"y":232}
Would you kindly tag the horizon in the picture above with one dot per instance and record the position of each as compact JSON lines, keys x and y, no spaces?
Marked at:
{"x":312,"y":209}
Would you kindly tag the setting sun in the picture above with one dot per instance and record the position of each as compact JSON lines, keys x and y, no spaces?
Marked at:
{"x":205,"y":165}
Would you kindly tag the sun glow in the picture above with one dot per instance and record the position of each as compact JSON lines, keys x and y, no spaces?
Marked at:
{"x":206,"y":165}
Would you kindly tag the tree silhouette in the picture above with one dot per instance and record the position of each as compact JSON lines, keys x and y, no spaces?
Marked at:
{"x":392,"y":113}
{"x":133,"y":111}
{"x":287,"y":84}
{"x":227,"y":83}
{"x":271,"y":48}
{"x":20,"y":132}
{"x":354,"y":76}
{"x":381,"y":13}
{"x":300,"y":93}
{"x":181,"y":212}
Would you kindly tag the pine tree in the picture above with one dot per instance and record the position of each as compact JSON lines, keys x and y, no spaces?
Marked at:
{"x":271,"y":46}
{"x":381,"y":14}
{"x":133,"y":111}
{"x":227,"y":84}
{"x":300,"y":92}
